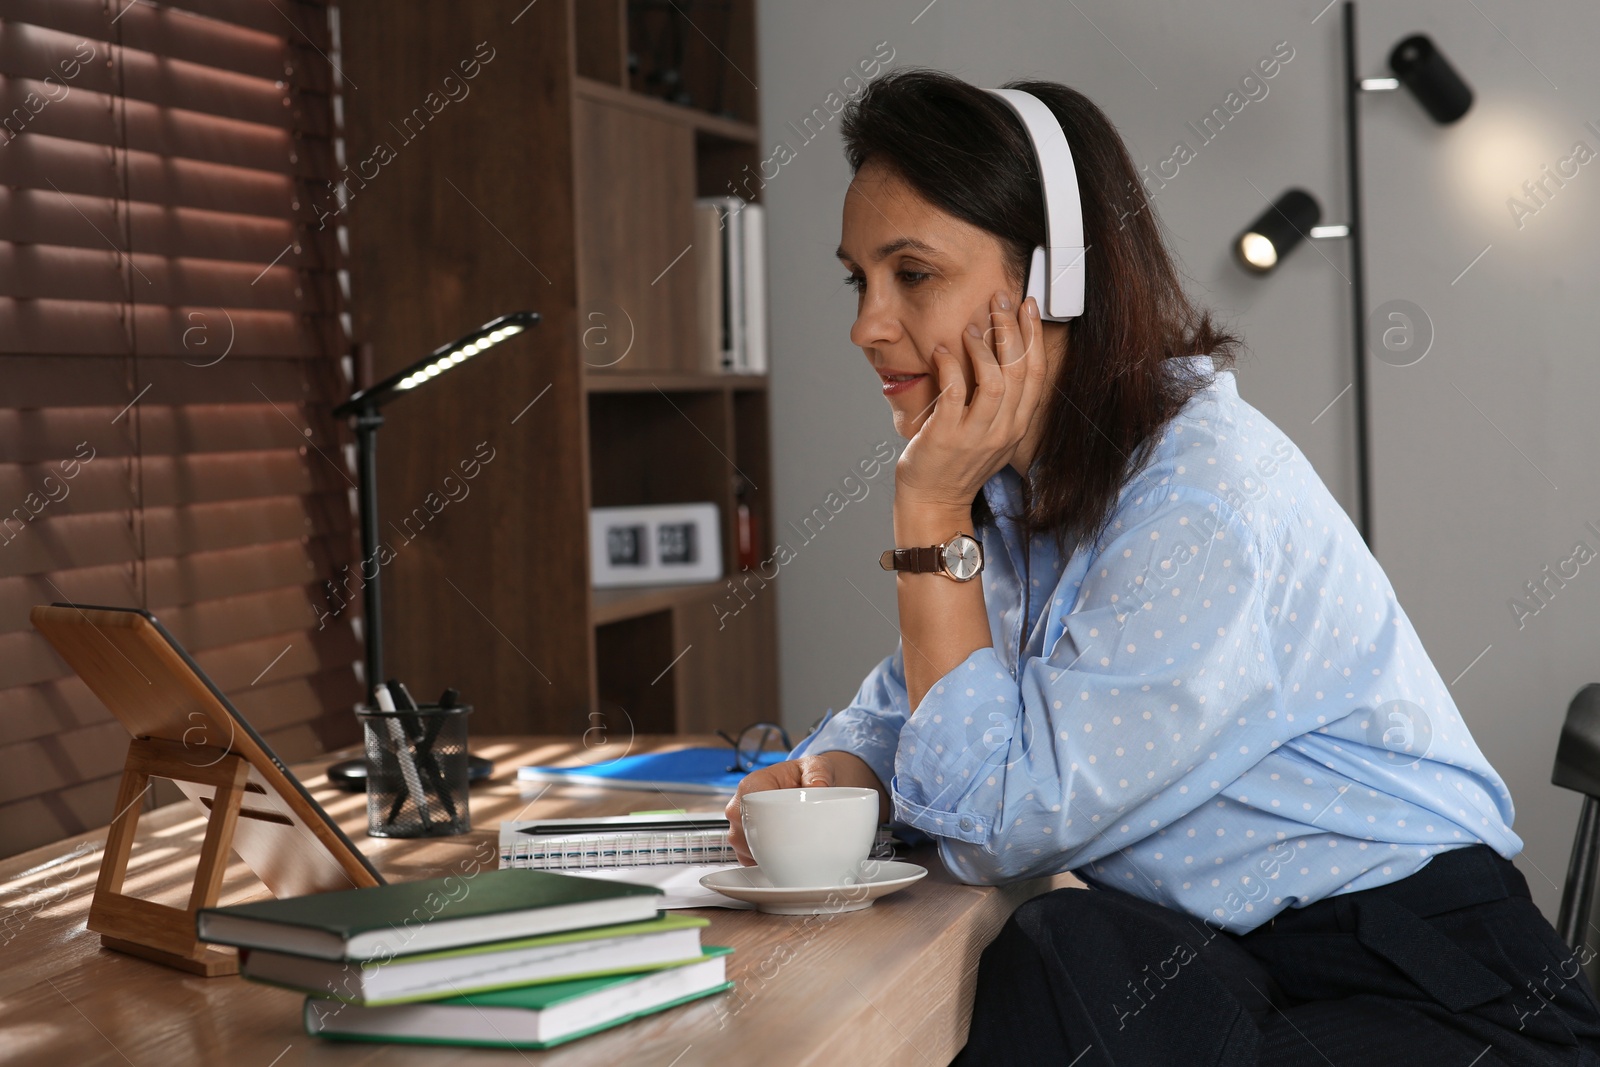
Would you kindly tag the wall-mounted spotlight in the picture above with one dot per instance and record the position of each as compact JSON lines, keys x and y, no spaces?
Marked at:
{"x":1423,"y":69}
{"x":1276,"y":231}
{"x":1418,"y":65}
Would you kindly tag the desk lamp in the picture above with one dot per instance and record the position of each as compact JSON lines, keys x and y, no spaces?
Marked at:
{"x":351,"y":775}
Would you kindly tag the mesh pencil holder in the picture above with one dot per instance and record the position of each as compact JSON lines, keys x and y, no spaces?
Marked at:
{"x":416,"y":771}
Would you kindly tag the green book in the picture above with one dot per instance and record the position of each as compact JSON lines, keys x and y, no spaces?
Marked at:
{"x":590,"y":953}
{"x":532,"y":1017}
{"x":436,"y":913}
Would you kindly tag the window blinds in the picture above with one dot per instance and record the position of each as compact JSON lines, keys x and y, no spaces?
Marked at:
{"x":171,"y":343}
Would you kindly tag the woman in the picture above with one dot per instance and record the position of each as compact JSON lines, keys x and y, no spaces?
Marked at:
{"x":1180,"y":673}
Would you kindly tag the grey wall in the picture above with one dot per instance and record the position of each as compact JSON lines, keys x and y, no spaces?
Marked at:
{"x":1483,"y":450}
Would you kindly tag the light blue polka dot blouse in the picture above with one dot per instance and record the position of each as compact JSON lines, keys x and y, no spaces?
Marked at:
{"x":1220,"y":708}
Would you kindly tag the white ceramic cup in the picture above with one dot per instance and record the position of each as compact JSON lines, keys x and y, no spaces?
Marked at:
{"x":810,"y":837}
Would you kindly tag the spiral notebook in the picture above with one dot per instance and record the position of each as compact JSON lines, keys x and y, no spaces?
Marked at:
{"x":694,"y":838}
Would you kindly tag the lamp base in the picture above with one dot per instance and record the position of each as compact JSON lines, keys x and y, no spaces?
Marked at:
{"x":350,"y":775}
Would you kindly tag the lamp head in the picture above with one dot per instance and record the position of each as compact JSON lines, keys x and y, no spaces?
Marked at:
{"x":1423,"y":69}
{"x":438,"y":361}
{"x":1276,"y":231}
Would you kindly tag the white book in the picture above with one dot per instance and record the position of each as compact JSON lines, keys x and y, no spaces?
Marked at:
{"x":755,"y":289}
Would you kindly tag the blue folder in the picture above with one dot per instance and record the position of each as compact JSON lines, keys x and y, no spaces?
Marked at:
{"x":687,"y":770}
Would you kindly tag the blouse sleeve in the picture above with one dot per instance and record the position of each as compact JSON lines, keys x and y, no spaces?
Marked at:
{"x":1161,"y":689}
{"x":870,"y":726}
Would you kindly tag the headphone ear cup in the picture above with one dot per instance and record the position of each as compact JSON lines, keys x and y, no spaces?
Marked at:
{"x":1038,"y":274}
{"x":1038,"y":278}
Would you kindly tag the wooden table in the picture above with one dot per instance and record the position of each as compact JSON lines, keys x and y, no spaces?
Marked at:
{"x":892,"y":984}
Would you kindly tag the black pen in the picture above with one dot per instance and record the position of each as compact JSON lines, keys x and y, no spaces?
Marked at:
{"x":447,"y":699}
{"x":425,"y":738}
{"x":405,"y":702}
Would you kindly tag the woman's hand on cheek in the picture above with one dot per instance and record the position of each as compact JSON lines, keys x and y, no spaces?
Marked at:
{"x":960,"y":445}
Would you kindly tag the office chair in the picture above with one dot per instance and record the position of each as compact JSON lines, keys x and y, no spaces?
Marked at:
{"x":1578,"y":768}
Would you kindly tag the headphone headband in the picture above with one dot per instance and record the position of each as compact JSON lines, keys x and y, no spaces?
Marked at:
{"x":1060,"y":260}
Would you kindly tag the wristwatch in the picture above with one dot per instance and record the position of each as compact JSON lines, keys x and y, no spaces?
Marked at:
{"x":960,"y":558}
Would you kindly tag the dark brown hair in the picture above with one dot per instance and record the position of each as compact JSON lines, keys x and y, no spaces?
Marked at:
{"x":962,"y":150}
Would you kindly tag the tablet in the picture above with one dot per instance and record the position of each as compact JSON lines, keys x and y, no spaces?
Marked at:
{"x":155,"y":689}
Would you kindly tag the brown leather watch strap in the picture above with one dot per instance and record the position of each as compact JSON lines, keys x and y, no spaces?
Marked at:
{"x":917,"y":560}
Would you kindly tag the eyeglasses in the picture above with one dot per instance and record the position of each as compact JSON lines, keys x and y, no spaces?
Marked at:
{"x":755,"y":739}
{"x":752,"y":741}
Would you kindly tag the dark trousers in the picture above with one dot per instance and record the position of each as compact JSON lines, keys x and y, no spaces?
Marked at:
{"x":1451,"y":966}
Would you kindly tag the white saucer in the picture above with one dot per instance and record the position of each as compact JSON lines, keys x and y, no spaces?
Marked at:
{"x":749,"y":884}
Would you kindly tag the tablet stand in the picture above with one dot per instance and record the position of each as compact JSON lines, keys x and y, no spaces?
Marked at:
{"x":160,"y":932}
{"x":162,"y":697}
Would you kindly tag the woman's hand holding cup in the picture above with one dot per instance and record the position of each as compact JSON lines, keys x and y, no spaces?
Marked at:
{"x":822,"y":770}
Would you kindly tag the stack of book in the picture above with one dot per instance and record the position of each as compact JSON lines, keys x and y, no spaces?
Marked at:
{"x":731,"y":250}
{"x":507,"y":958}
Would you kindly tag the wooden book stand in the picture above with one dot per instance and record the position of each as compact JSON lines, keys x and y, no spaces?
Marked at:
{"x":161,"y":932}
{"x":177,"y":716}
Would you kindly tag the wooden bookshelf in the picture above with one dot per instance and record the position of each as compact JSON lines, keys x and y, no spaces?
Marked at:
{"x":573,"y":196}
{"x":711,"y":126}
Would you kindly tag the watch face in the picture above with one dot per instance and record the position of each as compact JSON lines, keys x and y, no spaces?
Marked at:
{"x":963,"y":558}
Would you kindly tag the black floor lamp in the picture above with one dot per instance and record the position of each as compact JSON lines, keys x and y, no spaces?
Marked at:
{"x":1420,"y":67}
{"x":364,"y":406}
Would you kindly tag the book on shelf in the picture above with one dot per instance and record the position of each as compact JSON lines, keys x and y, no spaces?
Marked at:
{"x":435,"y":913}
{"x":532,"y":1017}
{"x":754,"y":361}
{"x":708,"y":266}
{"x":590,"y":953}
{"x":732,"y":284}
{"x":694,"y":838}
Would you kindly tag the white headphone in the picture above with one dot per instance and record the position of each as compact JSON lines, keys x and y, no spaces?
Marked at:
{"x":1062,"y":260}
